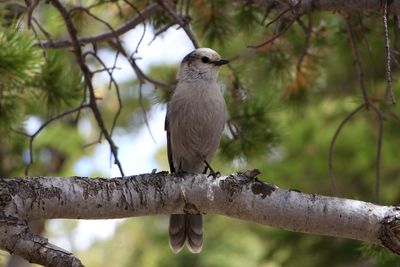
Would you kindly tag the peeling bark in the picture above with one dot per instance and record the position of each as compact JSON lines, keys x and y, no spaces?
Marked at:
{"x":238,"y":195}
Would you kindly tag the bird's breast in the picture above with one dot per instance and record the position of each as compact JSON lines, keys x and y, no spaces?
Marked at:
{"x":196,"y":121}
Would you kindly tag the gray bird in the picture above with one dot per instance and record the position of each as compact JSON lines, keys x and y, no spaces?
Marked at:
{"x":195,"y":118}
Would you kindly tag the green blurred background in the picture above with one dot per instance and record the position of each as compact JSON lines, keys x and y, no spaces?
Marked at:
{"x":286,"y":99}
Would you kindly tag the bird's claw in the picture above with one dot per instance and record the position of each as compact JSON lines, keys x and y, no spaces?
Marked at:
{"x":180,"y":173}
{"x":214,"y":174}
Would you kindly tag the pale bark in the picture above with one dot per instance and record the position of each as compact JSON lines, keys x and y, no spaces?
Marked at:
{"x":238,"y":196}
{"x":36,"y":227}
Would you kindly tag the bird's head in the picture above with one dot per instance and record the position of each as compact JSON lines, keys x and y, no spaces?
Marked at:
{"x":202,"y":63}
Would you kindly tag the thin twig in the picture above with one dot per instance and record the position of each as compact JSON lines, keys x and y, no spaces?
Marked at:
{"x":144,"y":112}
{"x":43,"y":30}
{"x":108,"y":25}
{"x":94,"y":5}
{"x":364,"y":36}
{"x":132,"y":23}
{"x":294,"y":17}
{"x":307,"y":42}
{"x":140,"y":74}
{"x":267,"y":11}
{"x":394,"y":115}
{"x":357,"y":59}
{"x":378,"y":155}
{"x":276,"y":35}
{"x":144,"y":26}
{"x":187,"y":7}
{"x":72,"y":31}
{"x":160,"y":31}
{"x":111,"y":82}
{"x":165,"y":4}
{"x":395,"y":61}
{"x":33,"y":136}
{"x":21,"y":132}
{"x":279,"y":16}
{"x":46,"y":33}
{"x":37,"y":37}
{"x":142,"y":79}
{"x":107,"y":69}
{"x":99,"y":139}
{"x":333,"y":141}
{"x":31,"y":7}
{"x":396,"y":31}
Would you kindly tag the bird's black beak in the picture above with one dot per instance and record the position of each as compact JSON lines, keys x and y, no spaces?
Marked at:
{"x":221,"y":62}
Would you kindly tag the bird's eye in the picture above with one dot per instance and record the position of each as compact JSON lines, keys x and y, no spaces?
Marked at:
{"x":205,"y":59}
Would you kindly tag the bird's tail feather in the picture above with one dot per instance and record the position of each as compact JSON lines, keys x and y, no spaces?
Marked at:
{"x":186,"y":227}
{"x":177,"y":232}
{"x":194,"y":232}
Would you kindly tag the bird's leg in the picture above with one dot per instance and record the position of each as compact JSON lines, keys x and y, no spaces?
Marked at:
{"x":180,"y":172}
{"x":212,"y":172}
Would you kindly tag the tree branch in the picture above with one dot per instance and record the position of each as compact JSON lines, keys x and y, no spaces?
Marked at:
{"x":50,"y":120}
{"x":87,"y":74}
{"x":185,"y":26}
{"x":129,"y":25}
{"x":357,"y":60}
{"x":389,"y":87}
{"x":238,"y":195}
{"x":20,"y":240}
{"x":309,"y":6}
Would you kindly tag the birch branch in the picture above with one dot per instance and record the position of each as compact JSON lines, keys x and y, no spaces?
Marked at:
{"x":237,"y":195}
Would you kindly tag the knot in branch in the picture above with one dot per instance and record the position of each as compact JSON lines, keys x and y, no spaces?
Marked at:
{"x":390,"y":232}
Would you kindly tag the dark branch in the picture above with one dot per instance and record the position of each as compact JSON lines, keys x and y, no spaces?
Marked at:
{"x":142,"y":77}
{"x":378,"y":154}
{"x":333,"y":141}
{"x":33,"y":136}
{"x":88,"y":80}
{"x":312,"y":6}
{"x":276,"y":35}
{"x":129,"y":25}
{"x":167,"y":7}
{"x":357,"y":60}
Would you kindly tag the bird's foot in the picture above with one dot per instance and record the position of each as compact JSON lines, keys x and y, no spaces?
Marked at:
{"x":180,"y":173}
{"x":212,"y":172}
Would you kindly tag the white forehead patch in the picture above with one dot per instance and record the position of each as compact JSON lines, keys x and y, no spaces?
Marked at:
{"x":208,"y":52}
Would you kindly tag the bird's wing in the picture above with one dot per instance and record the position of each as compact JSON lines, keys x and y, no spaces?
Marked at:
{"x":169,"y":149}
